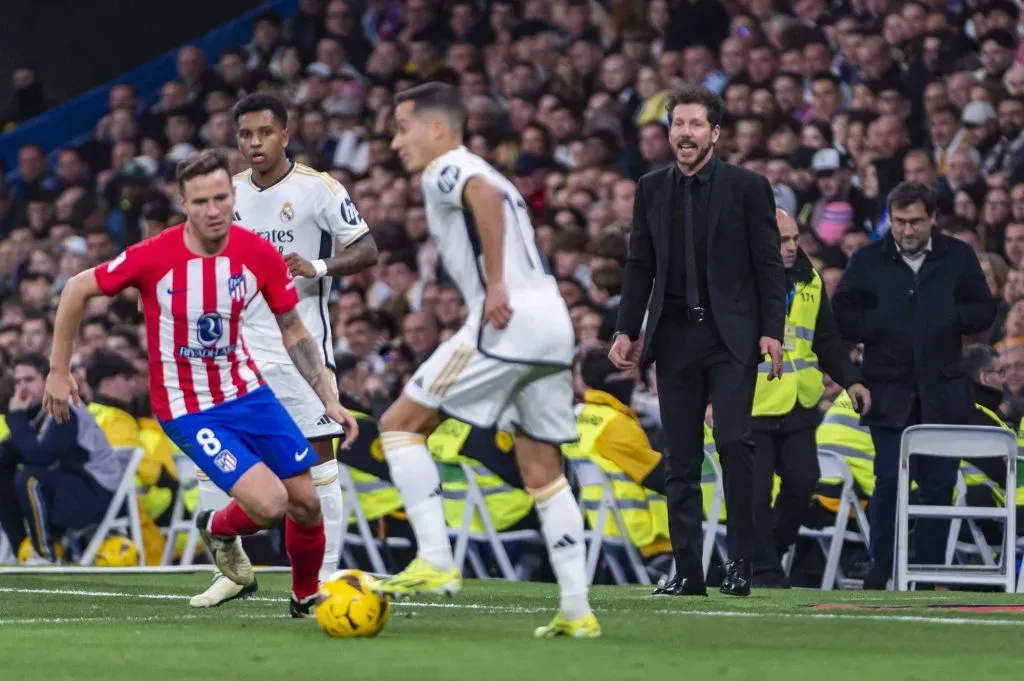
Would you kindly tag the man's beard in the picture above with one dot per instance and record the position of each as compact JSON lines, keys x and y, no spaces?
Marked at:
{"x":1010,"y":133}
{"x":702,"y":155}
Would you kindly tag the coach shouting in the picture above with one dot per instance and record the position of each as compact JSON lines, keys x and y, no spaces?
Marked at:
{"x":704,"y":238}
{"x":909,"y":298}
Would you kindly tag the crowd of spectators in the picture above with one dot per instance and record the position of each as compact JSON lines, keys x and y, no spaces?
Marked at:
{"x":834,"y":102}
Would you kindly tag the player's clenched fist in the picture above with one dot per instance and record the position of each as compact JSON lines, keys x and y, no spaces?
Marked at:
{"x":299,"y":266}
{"x":497,"y":311}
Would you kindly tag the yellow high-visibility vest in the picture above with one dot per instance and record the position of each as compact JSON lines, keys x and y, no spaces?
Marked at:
{"x":377,"y":497}
{"x":841,"y":432}
{"x":505,"y":504}
{"x":973,"y":475}
{"x":802,"y":379}
{"x":644,"y":512}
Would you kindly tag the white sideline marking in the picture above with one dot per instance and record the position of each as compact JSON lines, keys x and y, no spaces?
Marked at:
{"x":479,"y":607}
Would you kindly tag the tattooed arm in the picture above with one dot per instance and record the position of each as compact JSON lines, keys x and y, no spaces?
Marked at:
{"x":306,"y":356}
{"x":309,"y":362}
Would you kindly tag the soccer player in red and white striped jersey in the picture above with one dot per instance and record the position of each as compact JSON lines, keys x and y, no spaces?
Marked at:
{"x":195,"y":281}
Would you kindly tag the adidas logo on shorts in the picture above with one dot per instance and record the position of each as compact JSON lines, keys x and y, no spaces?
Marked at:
{"x":324,"y":421}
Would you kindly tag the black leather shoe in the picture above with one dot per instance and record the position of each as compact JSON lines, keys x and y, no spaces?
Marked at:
{"x":878,"y":576}
{"x":738,"y":574}
{"x":681,"y":586}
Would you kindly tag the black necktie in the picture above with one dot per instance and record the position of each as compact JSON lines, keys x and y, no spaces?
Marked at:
{"x":692,"y":293}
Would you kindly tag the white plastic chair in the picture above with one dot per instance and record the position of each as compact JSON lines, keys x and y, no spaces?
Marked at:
{"x":123,"y":513}
{"x":7,"y":556}
{"x":957,"y":442}
{"x":978,"y":546}
{"x":589,"y":474}
{"x":714,"y":530}
{"x":832,"y":539}
{"x":364,"y":537}
{"x":475,"y":503}
{"x":181,"y":521}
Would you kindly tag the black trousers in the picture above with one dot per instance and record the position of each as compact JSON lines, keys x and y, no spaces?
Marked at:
{"x":694,"y":368}
{"x":794,"y":455}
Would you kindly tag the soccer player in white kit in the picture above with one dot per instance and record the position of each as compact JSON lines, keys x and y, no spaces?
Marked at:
{"x":304,"y":214}
{"x":509,"y":363}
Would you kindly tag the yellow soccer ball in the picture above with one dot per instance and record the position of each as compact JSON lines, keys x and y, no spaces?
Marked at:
{"x":349,"y":608}
{"x":117,"y":552}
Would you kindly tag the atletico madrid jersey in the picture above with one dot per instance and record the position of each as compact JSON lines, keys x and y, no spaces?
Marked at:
{"x":193,"y":306}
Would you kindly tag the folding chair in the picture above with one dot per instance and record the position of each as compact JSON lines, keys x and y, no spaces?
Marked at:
{"x":589,"y":474}
{"x":464,"y":534}
{"x":180,"y":522}
{"x":957,"y":442}
{"x":350,"y":507}
{"x":832,"y":539}
{"x":714,"y":531}
{"x":123,"y":513}
{"x":978,"y":546}
{"x":7,"y":555}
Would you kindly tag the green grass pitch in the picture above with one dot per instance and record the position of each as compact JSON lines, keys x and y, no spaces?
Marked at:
{"x":139,"y":628}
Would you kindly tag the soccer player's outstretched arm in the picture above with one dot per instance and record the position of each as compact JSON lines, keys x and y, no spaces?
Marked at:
{"x":60,"y":385}
{"x":487,"y":203}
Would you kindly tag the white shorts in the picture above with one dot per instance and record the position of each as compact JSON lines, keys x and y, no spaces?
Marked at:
{"x":299,"y":400}
{"x":483,"y":391}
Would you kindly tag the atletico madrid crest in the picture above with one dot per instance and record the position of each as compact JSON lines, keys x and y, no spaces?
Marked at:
{"x":236,"y":287}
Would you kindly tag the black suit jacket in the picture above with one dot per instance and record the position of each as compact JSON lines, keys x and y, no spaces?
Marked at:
{"x":911,"y":327}
{"x":746,"y":280}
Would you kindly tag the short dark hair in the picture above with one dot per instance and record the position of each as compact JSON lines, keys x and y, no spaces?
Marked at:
{"x":908,"y":193}
{"x":201,"y":163}
{"x":697,"y":94}
{"x":35,"y":360}
{"x":105,"y":364}
{"x":979,"y":358}
{"x":440,"y":97}
{"x":261,"y":101}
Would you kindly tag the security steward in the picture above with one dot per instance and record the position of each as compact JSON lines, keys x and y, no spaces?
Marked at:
{"x":986,"y":478}
{"x":611,"y":436}
{"x":785,"y":411}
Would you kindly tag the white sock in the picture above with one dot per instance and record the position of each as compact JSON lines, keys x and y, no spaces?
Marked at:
{"x":325,"y":478}
{"x":562,"y":524}
{"x":211,"y":497}
{"x":414,"y":474}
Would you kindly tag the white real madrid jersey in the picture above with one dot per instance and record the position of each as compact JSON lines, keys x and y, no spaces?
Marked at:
{"x":305,"y":212}
{"x":540,"y":319}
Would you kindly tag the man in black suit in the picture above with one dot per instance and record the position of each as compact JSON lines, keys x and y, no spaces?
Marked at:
{"x":909,"y":299}
{"x":704,"y":238}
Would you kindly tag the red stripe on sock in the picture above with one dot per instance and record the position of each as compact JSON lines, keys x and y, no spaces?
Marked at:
{"x":305,"y":546}
{"x":232,"y":521}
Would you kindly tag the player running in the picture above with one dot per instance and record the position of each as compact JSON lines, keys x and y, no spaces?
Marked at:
{"x":303,"y":213}
{"x":195,"y":281}
{"x":515,"y":350}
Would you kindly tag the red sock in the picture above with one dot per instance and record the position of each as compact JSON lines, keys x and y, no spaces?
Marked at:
{"x":305,"y":546}
{"x":232,"y":521}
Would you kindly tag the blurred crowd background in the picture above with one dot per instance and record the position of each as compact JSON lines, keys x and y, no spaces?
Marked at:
{"x":835,"y":102}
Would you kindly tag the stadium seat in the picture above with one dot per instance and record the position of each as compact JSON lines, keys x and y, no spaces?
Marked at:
{"x":464,"y":534}
{"x":123,"y":513}
{"x":959,"y":442}
{"x":832,"y":539}
{"x":588,"y":473}
{"x":181,"y":522}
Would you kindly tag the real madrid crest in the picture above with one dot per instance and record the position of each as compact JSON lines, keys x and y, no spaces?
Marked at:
{"x":287,"y":212}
